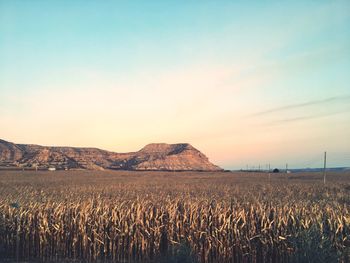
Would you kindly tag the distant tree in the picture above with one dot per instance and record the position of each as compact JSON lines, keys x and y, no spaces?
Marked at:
{"x":276,"y":170}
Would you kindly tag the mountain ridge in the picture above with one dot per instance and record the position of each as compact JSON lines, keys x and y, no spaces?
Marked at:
{"x":153,"y":156}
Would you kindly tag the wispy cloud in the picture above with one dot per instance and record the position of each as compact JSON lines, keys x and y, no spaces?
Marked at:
{"x":304,"y":104}
{"x":308,"y":117}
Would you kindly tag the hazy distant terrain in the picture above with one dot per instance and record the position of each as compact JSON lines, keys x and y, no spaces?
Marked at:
{"x":174,"y":131}
{"x":156,"y":156}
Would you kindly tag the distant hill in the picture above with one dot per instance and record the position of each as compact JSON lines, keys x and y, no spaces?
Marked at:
{"x":333,"y":169}
{"x":155,"y":156}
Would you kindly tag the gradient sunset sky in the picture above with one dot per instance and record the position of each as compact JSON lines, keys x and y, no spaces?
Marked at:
{"x":245,"y":82}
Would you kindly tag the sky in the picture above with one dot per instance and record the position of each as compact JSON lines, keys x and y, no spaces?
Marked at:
{"x":245,"y":82}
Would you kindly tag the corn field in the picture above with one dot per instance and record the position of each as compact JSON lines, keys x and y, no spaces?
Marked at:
{"x":159,"y":217}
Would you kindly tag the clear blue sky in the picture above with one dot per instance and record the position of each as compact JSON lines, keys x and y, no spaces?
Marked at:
{"x":245,"y":82}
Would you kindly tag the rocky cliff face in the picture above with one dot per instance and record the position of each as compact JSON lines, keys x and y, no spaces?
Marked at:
{"x":156,"y":156}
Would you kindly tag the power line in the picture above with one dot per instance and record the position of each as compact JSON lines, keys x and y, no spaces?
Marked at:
{"x":324,"y":167}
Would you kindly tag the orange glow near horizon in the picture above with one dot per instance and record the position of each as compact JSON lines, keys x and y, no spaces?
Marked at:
{"x":241,"y":85}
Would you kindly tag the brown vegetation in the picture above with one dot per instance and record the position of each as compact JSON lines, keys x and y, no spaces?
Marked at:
{"x":182,"y":217}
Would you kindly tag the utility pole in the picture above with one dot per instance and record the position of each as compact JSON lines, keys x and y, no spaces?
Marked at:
{"x":324,"y":167}
{"x":269,"y":173}
{"x":286,"y":167}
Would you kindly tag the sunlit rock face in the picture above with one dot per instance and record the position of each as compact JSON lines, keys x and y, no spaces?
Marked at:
{"x":155,"y":156}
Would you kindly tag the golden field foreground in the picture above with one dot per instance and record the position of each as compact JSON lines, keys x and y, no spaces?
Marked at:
{"x":120,"y":216}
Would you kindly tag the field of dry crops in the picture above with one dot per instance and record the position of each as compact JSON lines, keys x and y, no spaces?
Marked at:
{"x":85,"y":216}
